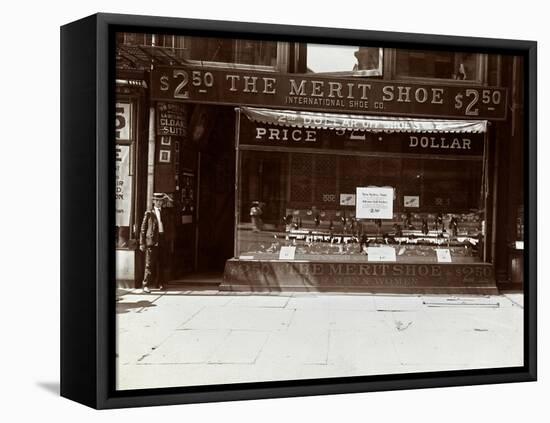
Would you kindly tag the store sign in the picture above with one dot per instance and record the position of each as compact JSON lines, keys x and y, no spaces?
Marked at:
{"x":123,"y":190}
{"x":374,"y":203}
{"x":258,"y":275}
{"x":441,"y":144}
{"x":171,"y":119}
{"x":322,"y":93}
{"x":123,"y":121}
{"x":171,"y":128}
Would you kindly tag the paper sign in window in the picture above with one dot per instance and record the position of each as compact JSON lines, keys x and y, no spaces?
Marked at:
{"x":374,"y":203}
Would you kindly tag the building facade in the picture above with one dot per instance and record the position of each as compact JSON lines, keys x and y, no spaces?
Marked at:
{"x":293,"y":166}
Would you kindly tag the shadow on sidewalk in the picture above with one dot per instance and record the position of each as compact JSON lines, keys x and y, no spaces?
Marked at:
{"x":122,"y":307}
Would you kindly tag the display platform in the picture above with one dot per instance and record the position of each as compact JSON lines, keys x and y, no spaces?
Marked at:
{"x":373,"y":277}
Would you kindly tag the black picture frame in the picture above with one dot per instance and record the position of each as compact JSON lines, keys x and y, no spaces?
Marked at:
{"x":87,"y":209}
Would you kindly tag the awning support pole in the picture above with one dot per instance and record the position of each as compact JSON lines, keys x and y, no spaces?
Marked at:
{"x":237,"y":180}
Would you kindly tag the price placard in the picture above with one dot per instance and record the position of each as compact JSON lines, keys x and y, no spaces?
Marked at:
{"x":443,"y":255}
{"x":381,"y":254}
{"x":374,"y":203}
{"x":287,"y":253}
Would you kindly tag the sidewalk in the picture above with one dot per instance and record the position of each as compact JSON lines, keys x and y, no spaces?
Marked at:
{"x":182,"y":338}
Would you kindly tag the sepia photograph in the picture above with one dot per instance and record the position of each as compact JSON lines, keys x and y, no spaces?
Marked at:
{"x":288,"y":210}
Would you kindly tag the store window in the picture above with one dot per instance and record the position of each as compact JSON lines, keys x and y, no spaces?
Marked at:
{"x":257,"y":54}
{"x":344,"y":60}
{"x":333,"y":195}
{"x":457,"y":66}
{"x":436,"y":204}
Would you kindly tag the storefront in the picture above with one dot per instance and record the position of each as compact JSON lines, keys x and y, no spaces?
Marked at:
{"x":284,"y":179}
{"x":356,"y":202}
{"x":394,"y":199}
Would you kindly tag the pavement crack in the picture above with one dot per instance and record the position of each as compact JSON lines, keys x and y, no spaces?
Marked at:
{"x":261,"y":348}
{"x":291,"y":318}
{"x":514,"y":302}
{"x":190,"y":317}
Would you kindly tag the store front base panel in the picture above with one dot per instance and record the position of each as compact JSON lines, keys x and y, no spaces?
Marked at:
{"x":370,"y":277}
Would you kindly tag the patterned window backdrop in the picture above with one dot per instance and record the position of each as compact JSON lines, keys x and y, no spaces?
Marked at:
{"x":326,"y":182}
{"x":351,"y":171}
{"x":301,"y":177}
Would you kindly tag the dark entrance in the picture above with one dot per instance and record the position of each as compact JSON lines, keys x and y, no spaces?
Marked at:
{"x":208,"y":242}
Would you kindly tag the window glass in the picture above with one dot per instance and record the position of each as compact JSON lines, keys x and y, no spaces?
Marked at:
{"x":322,"y":58}
{"x":441,"y":65}
{"x":246,"y":52}
{"x":308,"y":200}
{"x":164,"y":40}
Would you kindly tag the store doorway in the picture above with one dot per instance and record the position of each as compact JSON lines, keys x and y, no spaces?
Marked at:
{"x":216,"y":212}
{"x":211,"y":242}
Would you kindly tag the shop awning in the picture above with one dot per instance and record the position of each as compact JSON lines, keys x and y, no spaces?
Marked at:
{"x":305,"y":119}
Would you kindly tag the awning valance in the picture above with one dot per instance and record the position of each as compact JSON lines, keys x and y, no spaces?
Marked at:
{"x":307,"y":119}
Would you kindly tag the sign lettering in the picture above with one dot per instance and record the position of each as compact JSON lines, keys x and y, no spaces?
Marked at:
{"x":123,"y":189}
{"x":280,"y":274}
{"x":123,"y":121}
{"x":256,"y":133}
{"x":255,"y":88}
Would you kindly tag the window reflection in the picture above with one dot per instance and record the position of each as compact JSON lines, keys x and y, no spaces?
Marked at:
{"x":364,"y":61}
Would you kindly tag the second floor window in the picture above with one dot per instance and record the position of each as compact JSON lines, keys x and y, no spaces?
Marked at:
{"x":458,"y":66}
{"x":246,"y":53}
{"x":344,"y":60}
